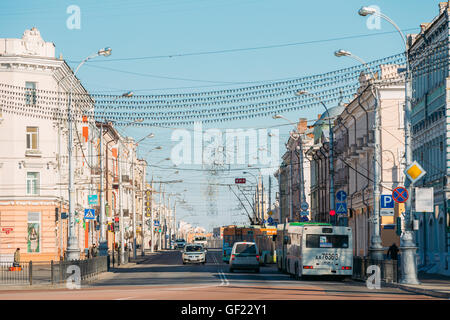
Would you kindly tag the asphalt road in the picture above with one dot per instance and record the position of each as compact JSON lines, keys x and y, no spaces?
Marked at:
{"x":162,"y":276}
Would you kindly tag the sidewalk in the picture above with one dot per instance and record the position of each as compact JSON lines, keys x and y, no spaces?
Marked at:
{"x":434,"y":285}
{"x":46,"y":285}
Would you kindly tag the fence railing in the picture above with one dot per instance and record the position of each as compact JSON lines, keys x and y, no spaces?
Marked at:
{"x":18,"y":276}
{"x":52,"y":272}
{"x":388,"y":268}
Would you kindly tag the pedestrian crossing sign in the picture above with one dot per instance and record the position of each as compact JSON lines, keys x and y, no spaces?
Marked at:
{"x":89,"y":214}
{"x":341,"y":208}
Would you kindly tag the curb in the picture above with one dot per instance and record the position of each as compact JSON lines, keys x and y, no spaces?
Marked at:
{"x":427,"y":292}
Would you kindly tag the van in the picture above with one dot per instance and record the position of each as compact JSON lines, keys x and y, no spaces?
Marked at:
{"x":244,"y":255}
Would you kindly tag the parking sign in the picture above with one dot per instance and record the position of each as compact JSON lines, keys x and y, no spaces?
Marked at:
{"x":387,"y":201}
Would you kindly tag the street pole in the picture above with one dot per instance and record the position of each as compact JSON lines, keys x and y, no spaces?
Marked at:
{"x":152,"y":234}
{"x":143,"y":212}
{"x":73,"y":250}
{"x":262,"y":200}
{"x":103,"y":246}
{"x":133,"y":203}
{"x":291,"y":203}
{"x":376,"y":248}
{"x":121,"y":227}
{"x":407,"y":246}
{"x":331,"y":152}
{"x":270,"y":193}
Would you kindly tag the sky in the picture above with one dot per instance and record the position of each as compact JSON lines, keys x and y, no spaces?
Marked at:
{"x":170,"y":46}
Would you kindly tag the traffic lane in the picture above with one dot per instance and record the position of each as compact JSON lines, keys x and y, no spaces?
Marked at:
{"x":269,"y":277}
{"x":165,"y":268}
{"x":213,"y":292}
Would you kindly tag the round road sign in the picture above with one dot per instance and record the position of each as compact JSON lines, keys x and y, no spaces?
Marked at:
{"x":400,"y":194}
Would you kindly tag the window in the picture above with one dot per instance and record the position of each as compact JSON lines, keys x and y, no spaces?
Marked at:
{"x":326,"y":241}
{"x":34,"y":232}
{"x":30,"y":93}
{"x":32,"y":138}
{"x":32,"y":183}
{"x":245,"y":249}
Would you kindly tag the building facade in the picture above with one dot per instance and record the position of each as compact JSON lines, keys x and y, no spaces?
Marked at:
{"x":430,"y":125}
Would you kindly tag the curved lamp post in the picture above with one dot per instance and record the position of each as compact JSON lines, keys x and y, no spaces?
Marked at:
{"x":376,"y":248}
{"x":407,"y":246}
{"x":332,"y":195}
{"x":73,"y":251}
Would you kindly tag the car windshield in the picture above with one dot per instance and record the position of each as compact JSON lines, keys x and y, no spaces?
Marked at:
{"x":200,"y":239}
{"x":194,"y":248}
{"x":179,"y":240}
{"x":245,"y":249}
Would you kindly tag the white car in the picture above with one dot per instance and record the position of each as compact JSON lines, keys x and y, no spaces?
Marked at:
{"x":244,"y":255}
{"x":194,"y":253}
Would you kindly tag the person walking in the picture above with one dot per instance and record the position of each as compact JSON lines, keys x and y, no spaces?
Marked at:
{"x":393,"y":252}
{"x":16,"y":262}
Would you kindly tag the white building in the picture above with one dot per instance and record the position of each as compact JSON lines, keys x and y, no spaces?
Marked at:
{"x":33,"y":150}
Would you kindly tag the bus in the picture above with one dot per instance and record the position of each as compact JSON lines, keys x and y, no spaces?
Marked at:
{"x":232,"y":234}
{"x":312,"y":248}
{"x":200,"y":240}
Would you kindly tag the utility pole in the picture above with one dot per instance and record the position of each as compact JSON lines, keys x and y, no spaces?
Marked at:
{"x":143,"y":211}
{"x":152,"y":234}
{"x":133,"y":202}
{"x":103,"y":246}
{"x":262,"y":200}
{"x":291,"y":203}
{"x":119,"y":167}
{"x":270,"y":193}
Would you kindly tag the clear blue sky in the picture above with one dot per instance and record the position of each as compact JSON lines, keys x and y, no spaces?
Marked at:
{"x":149,"y":28}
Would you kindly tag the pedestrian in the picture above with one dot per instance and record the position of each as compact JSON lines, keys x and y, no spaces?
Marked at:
{"x":94,"y":250}
{"x":393,"y":252}
{"x":16,"y":262}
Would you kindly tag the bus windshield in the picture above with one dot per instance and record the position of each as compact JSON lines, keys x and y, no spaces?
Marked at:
{"x":326,"y":241}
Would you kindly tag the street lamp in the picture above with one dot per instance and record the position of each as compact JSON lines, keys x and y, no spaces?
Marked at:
{"x":407,"y":246}
{"x":332,"y":195}
{"x":376,"y":248}
{"x":296,"y":136}
{"x":73,"y":251}
{"x":151,"y":135}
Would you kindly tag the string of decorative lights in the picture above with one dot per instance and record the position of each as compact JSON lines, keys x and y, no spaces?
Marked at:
{"x":51,"y":105}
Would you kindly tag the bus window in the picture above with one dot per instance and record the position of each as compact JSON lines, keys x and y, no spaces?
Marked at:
{"x":326,"y":241}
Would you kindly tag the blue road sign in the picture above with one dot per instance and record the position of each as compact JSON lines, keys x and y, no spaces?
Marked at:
{"x":89,"y":214}
{"x":341,"y":207}
{"x":341,"y":196}
{"x":93,"y":199}
{"x":156,"y":223}
{"x":304,"y":219}
{"x":387,"y":201}
{"x":304,"y":213}
{"x":400,"y":194}
{"x":270,"y":220}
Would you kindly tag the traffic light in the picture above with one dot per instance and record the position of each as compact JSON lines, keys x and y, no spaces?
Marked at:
{"x":332,"y":213}
{"x":398,"y":229}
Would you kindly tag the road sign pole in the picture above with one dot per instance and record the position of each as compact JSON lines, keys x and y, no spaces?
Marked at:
{"x":407,"y":245}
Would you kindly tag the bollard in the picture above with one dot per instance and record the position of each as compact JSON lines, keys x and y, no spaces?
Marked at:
{"x":51,"y":271}
{"x":30,"y":272}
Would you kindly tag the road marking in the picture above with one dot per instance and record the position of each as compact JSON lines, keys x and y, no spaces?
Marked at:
{"x":124,"y":298}
{"x":224,"y":279}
